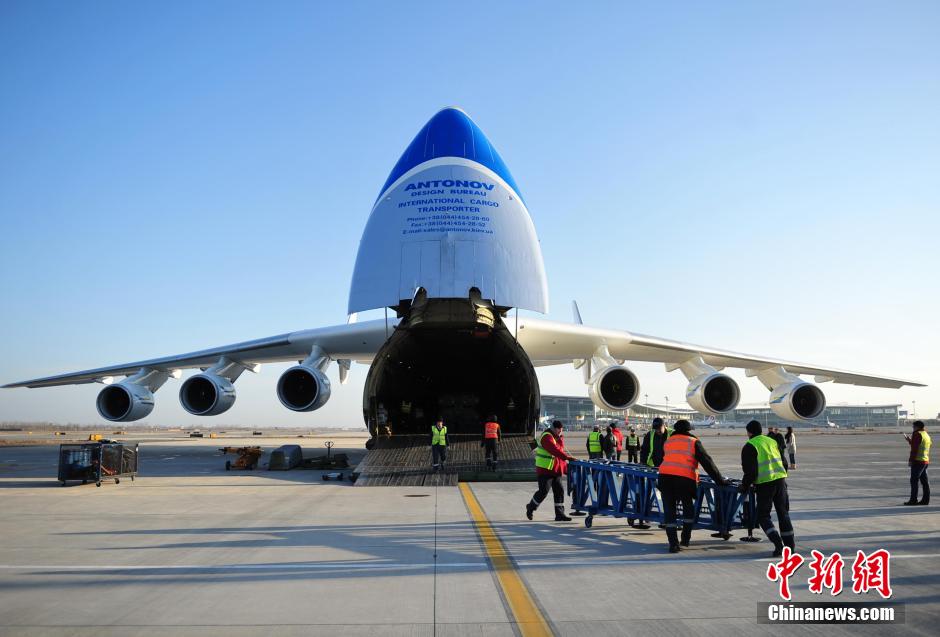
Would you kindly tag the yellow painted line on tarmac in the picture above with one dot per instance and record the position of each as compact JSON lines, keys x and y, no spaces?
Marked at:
{"x":525,"y":611}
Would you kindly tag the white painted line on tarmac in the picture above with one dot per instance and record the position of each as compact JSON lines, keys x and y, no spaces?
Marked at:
{"x":683,"y":560}
{"x":855,"y":476}
{"x":407,"y":566}
{"x":853,"y":471}
{"x":239,"y":567}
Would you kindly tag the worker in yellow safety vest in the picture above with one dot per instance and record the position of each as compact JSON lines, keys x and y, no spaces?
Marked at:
{"x":438,"y":445}
{"x":632,"y":442}
{"x":763,"y":465}
{"x":551,"y":463}
{"x":490,"y":442}
{"x":918,"y":462}
{"x":651,"y":454}
{"x":594,"y":446}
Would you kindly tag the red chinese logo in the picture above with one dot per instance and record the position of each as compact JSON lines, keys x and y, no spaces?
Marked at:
{"x":869,"y":572}
{"x":827,"y":573}
{"x":872,"y":572}
{"x":782,"y":570}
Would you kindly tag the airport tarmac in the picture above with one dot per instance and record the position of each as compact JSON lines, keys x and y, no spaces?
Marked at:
{"x":189,"y":549}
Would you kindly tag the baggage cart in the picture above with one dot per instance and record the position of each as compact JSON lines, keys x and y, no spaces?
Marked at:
{"x":97,"y":462}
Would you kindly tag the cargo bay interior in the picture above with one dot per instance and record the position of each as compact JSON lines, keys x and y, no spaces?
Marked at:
{"x":454,"y":359}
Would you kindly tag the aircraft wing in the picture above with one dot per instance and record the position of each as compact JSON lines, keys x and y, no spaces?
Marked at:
{"x":553,"y":343}
{"x":354,"y":341}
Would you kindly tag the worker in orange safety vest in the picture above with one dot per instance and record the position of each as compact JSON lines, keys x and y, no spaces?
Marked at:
{"x":678,"y":480}
{"x":490,"y":442}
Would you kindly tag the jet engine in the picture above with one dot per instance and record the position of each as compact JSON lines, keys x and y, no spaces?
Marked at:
{"x":124,"y":402}
{"x":614,"y":388}
{"x":303,"y":387}
{"x":207,"y":394}
{"x":797,"y":400}
{"x":712,"y":393}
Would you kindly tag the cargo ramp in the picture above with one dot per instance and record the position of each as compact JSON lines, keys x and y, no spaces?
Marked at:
{"x":406,"y":461}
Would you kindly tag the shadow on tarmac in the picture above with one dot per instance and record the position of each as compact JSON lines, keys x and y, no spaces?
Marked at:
{"x":404,"y":549}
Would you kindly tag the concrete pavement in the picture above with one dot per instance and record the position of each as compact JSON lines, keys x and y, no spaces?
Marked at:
{"x":189,"y":549}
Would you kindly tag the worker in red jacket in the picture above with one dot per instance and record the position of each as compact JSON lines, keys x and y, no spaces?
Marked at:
{"x":618,"y":438}
{"x":551,"y":463}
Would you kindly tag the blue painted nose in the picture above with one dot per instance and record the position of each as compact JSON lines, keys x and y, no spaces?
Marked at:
{"x":451,"y":133}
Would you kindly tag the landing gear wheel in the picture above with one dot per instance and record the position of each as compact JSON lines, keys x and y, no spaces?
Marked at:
{"x":589,"y":521}
{"x":97,"y":484}
{"x":228,"y":465}
{"x":117,"y":481}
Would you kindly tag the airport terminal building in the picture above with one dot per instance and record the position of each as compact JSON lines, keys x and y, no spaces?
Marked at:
{"x":579,"y":409}
{"x":845,"y":416}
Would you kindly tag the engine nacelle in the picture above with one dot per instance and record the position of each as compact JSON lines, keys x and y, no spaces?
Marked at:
{"x":303,"y":388}
{"x":713,"y":393}
{"x":207,"y":395}
{"x":797,"y":400}
{"x":614,"y":388}
{"x":124,"y":402}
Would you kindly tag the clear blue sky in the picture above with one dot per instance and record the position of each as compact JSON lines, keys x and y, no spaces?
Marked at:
{"x":175,"y":176}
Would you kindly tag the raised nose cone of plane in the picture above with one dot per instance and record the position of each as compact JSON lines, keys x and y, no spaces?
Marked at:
{"x":451,"y":133}
{"x":450,"y":221}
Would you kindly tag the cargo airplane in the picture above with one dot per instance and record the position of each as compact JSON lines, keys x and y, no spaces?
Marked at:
{"x":451,"y":250}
